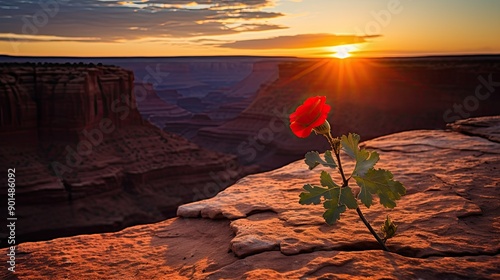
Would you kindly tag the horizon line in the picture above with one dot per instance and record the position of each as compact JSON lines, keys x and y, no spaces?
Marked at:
{"x":259,"y":56}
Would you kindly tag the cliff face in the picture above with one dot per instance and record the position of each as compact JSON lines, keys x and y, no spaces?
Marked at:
{"x":18,"y":110}
{"x":85,"y":160}
{"x":59,"y":102}
{"x":256,"y":229}
{"x":369,"y":97}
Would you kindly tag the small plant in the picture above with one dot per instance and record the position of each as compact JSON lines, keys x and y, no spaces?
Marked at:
{"x":311,"y":116}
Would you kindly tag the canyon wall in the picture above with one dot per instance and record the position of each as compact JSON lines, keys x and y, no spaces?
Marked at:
{"x":86,"y":161}
{"x":371,"y":97}
{"x":58,"y":102}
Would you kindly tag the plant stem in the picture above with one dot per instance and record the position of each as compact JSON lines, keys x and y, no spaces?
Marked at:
{"x":336,"y":150}
{"x":367,"y":224}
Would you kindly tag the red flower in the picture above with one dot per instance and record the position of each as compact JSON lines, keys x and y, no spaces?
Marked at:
{"x":309,"y":115}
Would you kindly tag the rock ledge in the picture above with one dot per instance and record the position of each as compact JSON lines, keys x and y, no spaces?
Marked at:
{"x":449,"y":227}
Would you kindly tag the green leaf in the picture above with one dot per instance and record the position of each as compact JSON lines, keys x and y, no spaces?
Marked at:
{"x":333,"y":211}
{"x":350,"y":144}
{"x":364,"y":195}
{"x":389,"y":228}
{"x":326,"y":180}
{"x":313,"y":194}
{"x":347,"y":198}
{"x":336,"y":198}
{"x":313,"y":159}
{"x":329,"y":159}
{"x":379,"y":182}
{"x":364,"y":159}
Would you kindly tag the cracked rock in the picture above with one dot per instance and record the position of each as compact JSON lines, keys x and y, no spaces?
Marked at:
{"x":448,"y":226}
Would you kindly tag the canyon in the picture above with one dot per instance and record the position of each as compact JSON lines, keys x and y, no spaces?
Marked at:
{"x":370,"y":97}
{"x":166,"y":131}
{"x":86,"y":161}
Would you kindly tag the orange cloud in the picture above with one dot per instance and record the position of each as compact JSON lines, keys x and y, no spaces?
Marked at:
{"x":300,"y":41}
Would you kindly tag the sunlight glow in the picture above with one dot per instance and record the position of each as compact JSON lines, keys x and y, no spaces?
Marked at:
{"x":343,"y":51}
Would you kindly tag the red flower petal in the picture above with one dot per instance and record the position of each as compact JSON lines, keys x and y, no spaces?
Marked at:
{"x":300,"y":131}
{"x":310,"y":111}
{"x":309,"y":115}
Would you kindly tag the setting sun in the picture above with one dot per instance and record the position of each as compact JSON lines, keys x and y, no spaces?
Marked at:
{"x":343,"y":51}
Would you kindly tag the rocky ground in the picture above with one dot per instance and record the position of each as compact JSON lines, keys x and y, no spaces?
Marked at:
{"x":449,"y":224}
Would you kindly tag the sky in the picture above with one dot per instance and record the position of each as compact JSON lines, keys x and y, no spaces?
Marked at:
{"x":303,"y":28}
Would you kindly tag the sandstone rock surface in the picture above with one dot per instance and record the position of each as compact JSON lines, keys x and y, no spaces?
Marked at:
{"x":449,"y":226}
{"x":487,"y":127}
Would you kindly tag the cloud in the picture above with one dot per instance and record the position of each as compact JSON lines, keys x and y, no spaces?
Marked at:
{"x":113,"y":20}
{"x":42,"y":38}
{"x":300,"y":41}
{"x":256,"y":27}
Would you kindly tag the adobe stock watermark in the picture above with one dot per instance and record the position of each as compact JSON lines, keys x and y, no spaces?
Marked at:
{"x":249,"y":150}
{"x":471,"y":102}
{"x":94,"y":137}
{"x":32,"y":24}
{"x":381,"y":18}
